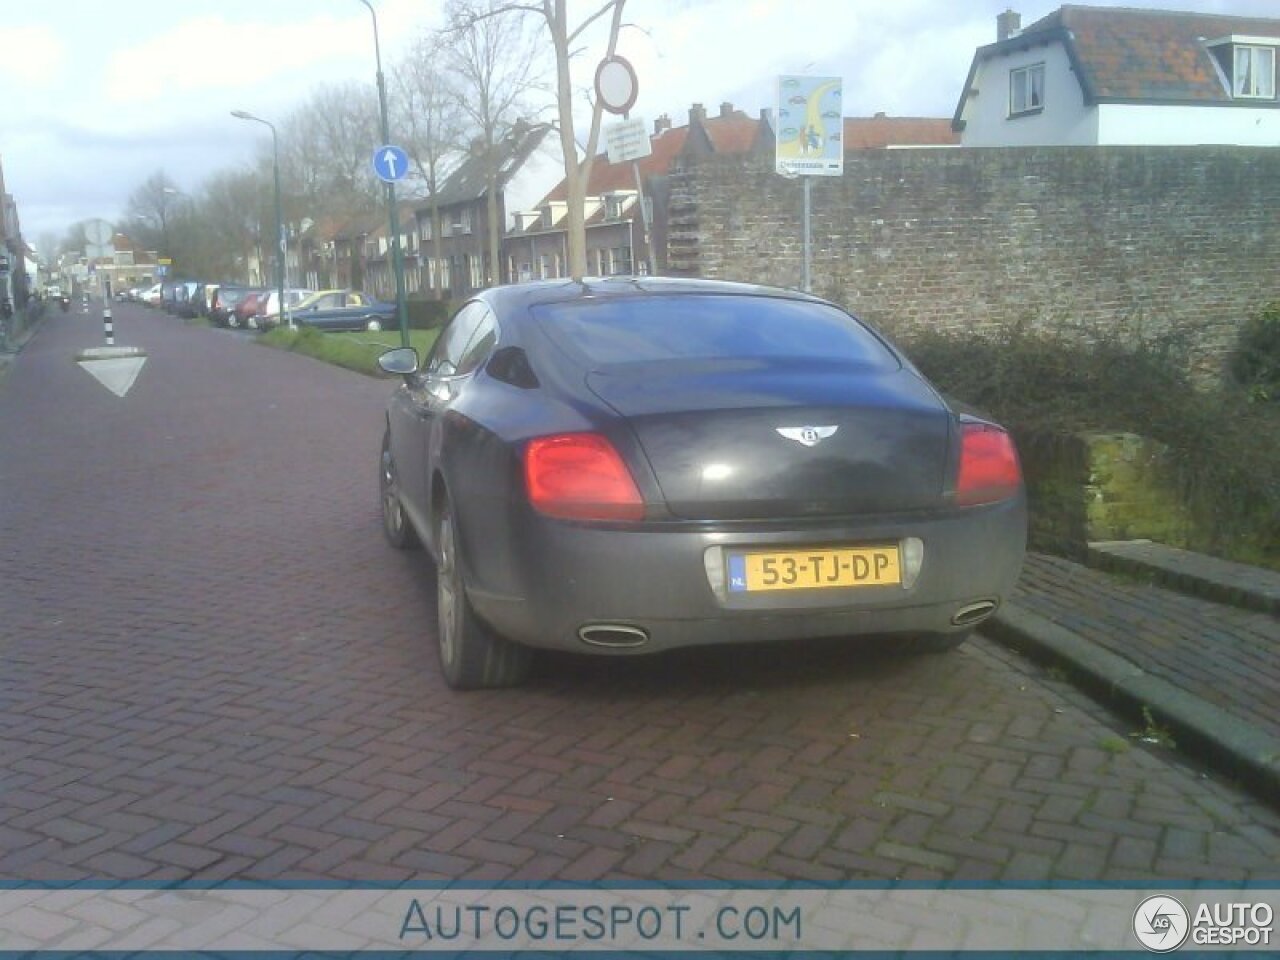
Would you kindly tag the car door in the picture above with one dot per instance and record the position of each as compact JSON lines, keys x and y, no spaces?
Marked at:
{"x":418,"y":408}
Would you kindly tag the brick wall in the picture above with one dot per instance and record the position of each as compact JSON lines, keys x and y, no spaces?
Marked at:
{"x":1176,"y":238}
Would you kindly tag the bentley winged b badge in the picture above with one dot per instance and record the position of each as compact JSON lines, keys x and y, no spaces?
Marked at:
{"x":807,"y":436}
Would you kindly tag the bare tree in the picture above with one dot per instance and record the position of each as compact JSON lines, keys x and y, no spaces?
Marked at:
{"x":555,"y":16}
{"x":495,"y":61}
{"x":153,"y":204}
{"x":431,"y":121}
{"x":325,"y":148}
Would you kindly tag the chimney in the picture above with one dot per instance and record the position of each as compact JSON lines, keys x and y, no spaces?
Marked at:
{"x":1007,"y":25}
{"x":697,"y":114}
{"x":726,"y":109}
{"x":661,"y":125}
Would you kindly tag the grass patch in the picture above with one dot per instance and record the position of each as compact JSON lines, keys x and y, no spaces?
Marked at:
{"x":355,"y":351}
{"x":1114,"y":744}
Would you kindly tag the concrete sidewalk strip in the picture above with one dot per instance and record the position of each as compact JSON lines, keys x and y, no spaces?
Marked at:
{"x":1238,"y":584}
{"x":1226,"y":740}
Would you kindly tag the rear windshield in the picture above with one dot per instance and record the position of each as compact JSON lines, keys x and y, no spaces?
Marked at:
{"x":709,"y":326}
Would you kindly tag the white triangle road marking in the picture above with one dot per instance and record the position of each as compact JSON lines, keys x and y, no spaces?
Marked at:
{"x":116,"y":368}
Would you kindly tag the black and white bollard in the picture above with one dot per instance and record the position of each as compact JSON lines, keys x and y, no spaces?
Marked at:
{"x":107,"y":328}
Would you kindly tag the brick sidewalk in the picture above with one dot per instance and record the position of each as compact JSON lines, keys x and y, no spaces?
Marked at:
{"x":213,"y":667}
{"x":1206,"y":653}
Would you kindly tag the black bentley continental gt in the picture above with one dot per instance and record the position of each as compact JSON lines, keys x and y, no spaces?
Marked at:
{"x":625,"y":466}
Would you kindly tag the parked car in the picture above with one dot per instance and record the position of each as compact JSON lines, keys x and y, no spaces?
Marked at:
{"x":629,"y":466}
{"x":246,"y":308}
{"x":152,"y":295}
{"x":224,"y":302}
{"x":335,"y":310}
{"x":268,"y":314}
{"x":186,"y":305}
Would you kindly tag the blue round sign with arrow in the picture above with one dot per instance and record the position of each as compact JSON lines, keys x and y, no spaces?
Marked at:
{"x":390,"y":163}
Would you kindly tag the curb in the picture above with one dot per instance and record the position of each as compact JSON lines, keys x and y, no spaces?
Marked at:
{"x":1218,"y":586}
{"x":1217,"y":738}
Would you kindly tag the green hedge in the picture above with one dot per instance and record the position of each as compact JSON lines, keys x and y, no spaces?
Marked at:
{"x":1224,"y":445}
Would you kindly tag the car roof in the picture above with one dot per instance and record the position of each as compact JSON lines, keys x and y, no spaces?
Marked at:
{"x":511,"y":299}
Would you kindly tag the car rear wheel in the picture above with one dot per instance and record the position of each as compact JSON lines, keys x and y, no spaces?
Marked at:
{"x":471,"y":655}
{"x":395,"y":526}
{"x":373,"y":325}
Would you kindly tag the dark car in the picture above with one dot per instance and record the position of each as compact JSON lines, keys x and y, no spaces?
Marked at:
{"x":626,"y":466}
{"x":223,"y":304}
{"x":335,"y":310}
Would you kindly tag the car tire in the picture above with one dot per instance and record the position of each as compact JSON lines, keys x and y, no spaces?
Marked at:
{"x":937,"y":642}
{"x":373,"y":325}
{"x":395,"y":524}
{"x":472,"y":656}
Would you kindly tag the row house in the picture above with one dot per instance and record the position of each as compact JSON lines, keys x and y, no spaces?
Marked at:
{"x":445,"y":240}
{"x":619,"y":195}
{"x":16,"y":272}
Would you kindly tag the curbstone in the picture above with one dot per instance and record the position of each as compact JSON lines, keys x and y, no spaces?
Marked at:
{"x":1216,"y":737}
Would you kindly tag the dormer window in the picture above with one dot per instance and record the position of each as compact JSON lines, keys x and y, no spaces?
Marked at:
{"x":1255,"y":73}
{"x":1026,"y":90}
{"x":1247,"y":65}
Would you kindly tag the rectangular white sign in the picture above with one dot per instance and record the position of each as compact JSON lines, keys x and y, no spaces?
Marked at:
{"x":627,"y":140}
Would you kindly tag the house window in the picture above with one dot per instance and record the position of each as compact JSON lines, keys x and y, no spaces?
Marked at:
{"x":425,"y":231}
{"x":1026,"y":90}
{"x":544,"y":267}
{"x":1255,"y":73}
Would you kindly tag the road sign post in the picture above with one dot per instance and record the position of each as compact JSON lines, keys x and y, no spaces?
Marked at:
{"x":617,"y":89}
{"x":809,"y":141}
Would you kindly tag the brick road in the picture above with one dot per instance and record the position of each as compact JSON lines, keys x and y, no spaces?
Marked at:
{"x":211,"y":666}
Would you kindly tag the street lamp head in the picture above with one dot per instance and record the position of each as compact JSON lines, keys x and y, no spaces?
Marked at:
{"x":243,"y":115}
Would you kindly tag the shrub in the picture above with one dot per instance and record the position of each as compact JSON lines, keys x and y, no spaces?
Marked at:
{"x":1226,"y":450}
{"x":1255,"y":362}
{"x":426,"y":314}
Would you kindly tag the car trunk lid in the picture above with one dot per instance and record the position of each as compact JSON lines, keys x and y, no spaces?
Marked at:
{"x":765,"y":438}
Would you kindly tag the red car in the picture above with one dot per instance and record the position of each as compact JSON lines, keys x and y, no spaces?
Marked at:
{"x":247,"y":309}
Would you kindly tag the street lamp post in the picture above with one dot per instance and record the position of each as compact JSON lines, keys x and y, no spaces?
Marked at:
{"x":280,"y":243}
{"x":397,"y":259}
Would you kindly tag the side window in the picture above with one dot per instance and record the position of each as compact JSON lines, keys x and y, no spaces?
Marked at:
{"x":481,"y":344}
{"x":450,"y":347}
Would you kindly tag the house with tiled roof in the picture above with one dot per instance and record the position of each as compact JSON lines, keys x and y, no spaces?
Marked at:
{"x":617,"y":240}
{"x":1111,"y":76}
{"x":451,"y":241}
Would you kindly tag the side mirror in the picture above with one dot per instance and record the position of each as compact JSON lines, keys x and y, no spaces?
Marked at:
{"x":402,"y":361}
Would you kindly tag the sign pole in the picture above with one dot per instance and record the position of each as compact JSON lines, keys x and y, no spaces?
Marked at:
{"x":808,"y":234}
{"x":808,"y":142}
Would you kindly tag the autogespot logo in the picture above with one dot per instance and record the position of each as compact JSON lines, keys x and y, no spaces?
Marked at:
{"x":1161,"y":924}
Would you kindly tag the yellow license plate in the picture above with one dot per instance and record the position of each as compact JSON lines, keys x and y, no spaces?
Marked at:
{"x":824,"y":569}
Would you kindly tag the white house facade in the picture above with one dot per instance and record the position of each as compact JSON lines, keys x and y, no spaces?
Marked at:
{"x":1100,"y":76}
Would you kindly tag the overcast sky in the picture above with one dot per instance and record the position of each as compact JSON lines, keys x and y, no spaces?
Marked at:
{"x":99,"y":95}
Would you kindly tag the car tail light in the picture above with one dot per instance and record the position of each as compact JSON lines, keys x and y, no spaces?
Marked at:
{"x":580,"y":476}
{"x":989,"y":468}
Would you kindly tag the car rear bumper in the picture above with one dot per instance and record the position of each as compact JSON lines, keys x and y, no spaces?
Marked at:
{"x":559,"y":582}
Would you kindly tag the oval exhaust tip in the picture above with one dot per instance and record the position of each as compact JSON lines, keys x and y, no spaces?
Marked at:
{"x":615,"y":636}
{"x":972,"y":613}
